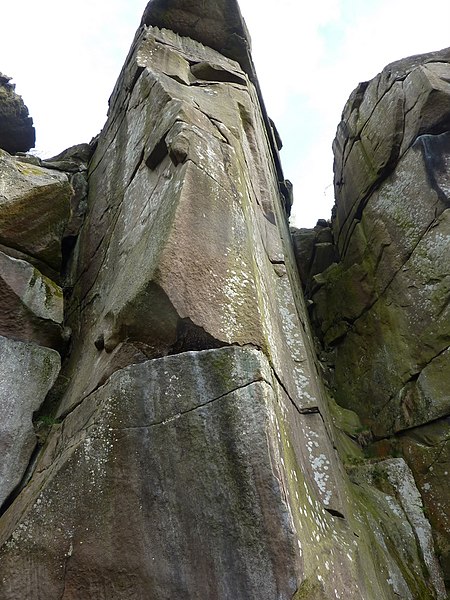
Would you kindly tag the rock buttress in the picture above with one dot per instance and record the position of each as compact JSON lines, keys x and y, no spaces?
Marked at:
{"x":380,"y":302}
{"x":194,"y":452}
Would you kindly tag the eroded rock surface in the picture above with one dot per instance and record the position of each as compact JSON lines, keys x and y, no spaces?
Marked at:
{"x":190,"y":447}
{"x":219,"y":26}
{"x":27,"y":372}
{"x":381,"y":309}
{"x":16,"y":126}
{"x":32,"y":304}
{"x":34,"y":209}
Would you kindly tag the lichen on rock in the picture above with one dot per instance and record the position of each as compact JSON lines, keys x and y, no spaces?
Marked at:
{"x":192,"y":445}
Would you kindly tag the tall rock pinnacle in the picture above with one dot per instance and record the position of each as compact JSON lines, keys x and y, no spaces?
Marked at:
{"x":189,"y":449}
{"x":217,"y":24}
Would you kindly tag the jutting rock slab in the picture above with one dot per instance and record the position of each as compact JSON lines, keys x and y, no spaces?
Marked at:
{"x":32,"y":304}
{"x":16,"y":126}
{"x":34,"y":209}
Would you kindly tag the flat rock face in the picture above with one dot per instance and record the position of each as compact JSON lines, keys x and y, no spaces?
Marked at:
{"x":16,"y":127}
{"x":382,"y":308}
{"x":27,"y":372}
{"x":161,"y":483}
{"x":188,"y":476}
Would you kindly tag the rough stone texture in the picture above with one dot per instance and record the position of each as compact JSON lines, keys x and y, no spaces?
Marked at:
{"x":388,"y":487}
{"x":119,"y":472}
{"x":175,"y":228}
{"x":191,"y":445}
{"x":34,"y":209}
{"x":382,"y":310}
{"x":218,"y":25}
{"x":381,"y":120}
{"x":426,"y":450}
{"x":188,"y":476}
{"x":32,"y":304}
{"x":16,"y":127}
{"x":27,"y":372}
{"x":314,"y":251}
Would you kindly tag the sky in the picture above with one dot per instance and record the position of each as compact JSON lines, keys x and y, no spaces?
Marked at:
{"x":65,"y":58}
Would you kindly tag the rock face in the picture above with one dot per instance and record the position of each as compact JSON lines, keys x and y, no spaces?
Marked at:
{"x":189,"y":448}
{"x":16,"y":127}
{"x":27,"y":372}
{"x":221,"y":28}
{"x":382,"y":309}
{"x":34,"y":209}
{"x":35,"y":215}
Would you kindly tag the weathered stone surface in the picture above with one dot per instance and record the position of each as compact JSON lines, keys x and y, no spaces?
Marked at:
{"x":16,"y":127}
{"x":195,"y":422}
{"x":175,"y":228}
{"x":34,"y":209}
{"x":382,"y":310}
{"x":388,"y":488}
{"x":427,"y":450}
{"x":72,"y":160}
{"x":314,"y":251}
{"x":32,"y":304}
{"x":381,"y":120}
{"x":217,"y":24}
{"x":390,"y":293}
{"x":193,"y":453}
{"x":410,"y":324}
{"x":27,"y":372}
{"x":205,"y":454}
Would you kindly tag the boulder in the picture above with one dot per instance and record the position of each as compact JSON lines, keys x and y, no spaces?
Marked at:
{"x":16,"y":127}
{"x":27,"y":372}
{"x":32,"y":304}
{"x":381,"y":120}
{"x":34,"y":209}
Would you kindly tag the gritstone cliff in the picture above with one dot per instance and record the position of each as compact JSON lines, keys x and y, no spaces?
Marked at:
{"x":167,"y":429}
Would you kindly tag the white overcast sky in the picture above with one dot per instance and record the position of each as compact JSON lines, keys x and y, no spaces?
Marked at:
{"x":65,"y":58}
